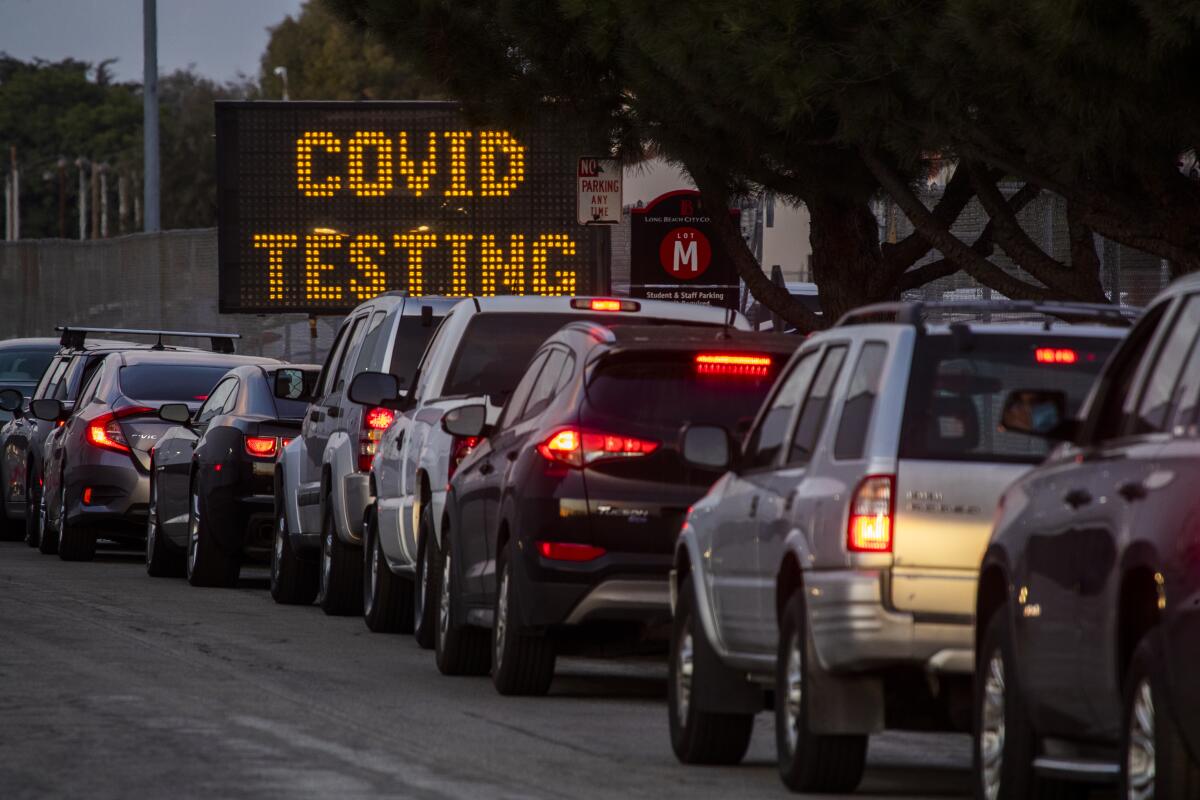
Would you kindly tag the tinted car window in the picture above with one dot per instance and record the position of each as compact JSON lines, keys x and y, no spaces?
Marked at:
{"x":543,"y":390}
{"x":412,"y":336}
{"x":959,"y":384}
{"x":216,"y":402}
{"x":816,"y":406}
{"x":24,"y":365}
{"x":1114,"y":401}
{"x":516,"y":403}
{"x":1159,"y":393}
{"x":332,"y":360}
{"x":767,"y":440}
{"x":343,"y":364}
{"x":50,"y":378}
{"x":174,"y":383}
{"x":852,"y":429}
{"x":667,"y":389}
{"x":368,"y":355}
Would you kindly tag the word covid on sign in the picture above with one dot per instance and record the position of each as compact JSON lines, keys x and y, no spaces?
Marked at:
{"x":324,"y":205}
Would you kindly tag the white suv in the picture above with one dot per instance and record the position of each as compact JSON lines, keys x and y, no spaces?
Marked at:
{"x":321,"y":475}
{"x":478,"y":354}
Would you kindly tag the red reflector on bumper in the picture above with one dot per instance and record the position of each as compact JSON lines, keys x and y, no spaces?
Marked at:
{"x":569,"y":551}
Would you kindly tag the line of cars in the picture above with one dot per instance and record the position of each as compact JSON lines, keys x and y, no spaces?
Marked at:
{"x":799,"y":524}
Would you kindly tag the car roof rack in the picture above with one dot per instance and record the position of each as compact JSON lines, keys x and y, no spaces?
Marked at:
{"x":917,"y":313}
{"x":75,"y":337}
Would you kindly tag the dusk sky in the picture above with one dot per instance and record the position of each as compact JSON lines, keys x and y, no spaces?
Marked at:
{"x":220,"y":37}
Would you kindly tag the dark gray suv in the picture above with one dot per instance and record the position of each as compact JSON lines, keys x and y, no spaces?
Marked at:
{"x":1088,"y":607}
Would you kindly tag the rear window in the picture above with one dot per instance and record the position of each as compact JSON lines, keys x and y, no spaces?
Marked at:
{"x":171,"y":383}
{"x":24,"y":366}
{"x":959,"y":384}
{"x":496,"y":348}
{"x":671,"y":389}
{"x":411,"y":338}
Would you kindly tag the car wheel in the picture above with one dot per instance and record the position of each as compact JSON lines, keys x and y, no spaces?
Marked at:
{"x":425,"y":586}
{"x":162,"y":561}
{"x":1005,"y":740}
{"x":75,"y":542}
{"x":207,"y":564}
{"x":522,"y":662}
{"x":293,"y":579}
{"x":460,"y":649}
{"x":1154,"y":758}
{"x":47,"y":537}
{"x":33,"y":505}
{"x":339,"y":591}
{"x":387,"y":598}
{"x":698,"y":737}
{"x":808,"y":761}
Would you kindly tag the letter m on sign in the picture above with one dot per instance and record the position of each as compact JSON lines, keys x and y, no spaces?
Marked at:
{"x":686,"y":255}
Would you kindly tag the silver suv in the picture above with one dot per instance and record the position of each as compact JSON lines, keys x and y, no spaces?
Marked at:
{"x":835,"y":563}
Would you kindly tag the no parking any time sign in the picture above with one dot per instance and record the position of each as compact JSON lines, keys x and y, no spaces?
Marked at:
{"x":599,"y":191}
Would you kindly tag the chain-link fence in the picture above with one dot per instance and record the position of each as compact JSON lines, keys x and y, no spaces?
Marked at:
{"x":162,"y":280}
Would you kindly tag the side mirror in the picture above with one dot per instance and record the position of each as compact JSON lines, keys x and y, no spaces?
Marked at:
{"x":11,"y":400}
{"x":374,"y":389}
{"x":708,"y":447}
{"x":47,"y":409}
{"x":1036,"y":412}
{"x":465,"y":420}
{"x":294,"y":384}
{"x":175,"y":412}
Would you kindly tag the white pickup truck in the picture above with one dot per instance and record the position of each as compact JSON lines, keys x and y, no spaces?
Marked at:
{"x":477,"y":355}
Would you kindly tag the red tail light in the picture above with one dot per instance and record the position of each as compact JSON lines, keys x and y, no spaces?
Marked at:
{"x":460,"y":448}
{"x":733,"y":364}
{"x":375,"y":422}
{"x":579,"y":448}
{"x":604,"y":304}
{"x":569,"y":551}
{"x":871,"y":513}
{"x":262,"y":446}
{"x":105,"y":430}
{"x":1055,"y":355}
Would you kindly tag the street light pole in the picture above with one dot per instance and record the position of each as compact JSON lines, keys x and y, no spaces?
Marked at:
{"x":150,"y":114}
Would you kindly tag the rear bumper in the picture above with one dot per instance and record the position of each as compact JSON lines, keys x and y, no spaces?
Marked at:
{"x":119,"y":494}
{"x":854,"y":631}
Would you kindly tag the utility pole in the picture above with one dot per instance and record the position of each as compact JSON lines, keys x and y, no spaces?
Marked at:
{"x":15,"y":178}
{"x":82,"y":164}
{"x":282,"y":73}
{"x":95,"y":200}
{"x":104,"y":201}
{"x":150,"y":113}
{"x":62,"y":198}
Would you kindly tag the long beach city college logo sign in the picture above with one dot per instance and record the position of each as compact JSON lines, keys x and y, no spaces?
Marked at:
{"x":685,"y":253}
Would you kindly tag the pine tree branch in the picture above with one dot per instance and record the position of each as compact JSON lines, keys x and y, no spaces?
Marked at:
{"x":898,"y":257}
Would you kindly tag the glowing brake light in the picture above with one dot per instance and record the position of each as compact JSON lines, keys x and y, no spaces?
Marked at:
{"x":733,"y":364}
{"x":1055,"y":355}
{"x":604,"y":304}
{"x":871,"y":510}
{"x":261,"y":446}
{"x":569,"y":551}
{"x":460,"y":448}
{"x":375,"y":422}
{"x":579,"y":448}
{"x":105,"y":430}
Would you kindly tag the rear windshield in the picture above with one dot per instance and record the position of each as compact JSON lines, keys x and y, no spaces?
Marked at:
{"x":958,"y":387}
{"x":24,"y":366}
{"x":671,"y":389}
{"x":171,"y":383}
{"x":496,"y":349}
{"x":411,"y":338}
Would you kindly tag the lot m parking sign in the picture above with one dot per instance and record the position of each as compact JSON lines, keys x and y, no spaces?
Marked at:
{"x":322,"y":205}
{"x":672,"y":257}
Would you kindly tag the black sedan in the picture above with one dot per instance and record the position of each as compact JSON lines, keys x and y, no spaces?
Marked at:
{"x":97,"y":463}
{"x":561,"y":524}
{"x":23,"y":363}
{"x":211,"y":478}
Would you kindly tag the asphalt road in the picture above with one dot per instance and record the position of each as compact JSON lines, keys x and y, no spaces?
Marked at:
{"x":117,"y":685}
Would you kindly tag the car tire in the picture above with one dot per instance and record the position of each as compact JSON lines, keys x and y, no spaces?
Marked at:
{"x":387,"y":597}
{"x":1005,"y":742}
{"x":425,"y":590}
{"x":293,"y":579}
{"x":698,"y":737}
{"x":47,"y":536}
{"x":522,"y":662}
{"x":459,"y":649}
{"x":339,"y":589}
{"x":1154,"y":758}
{"x":75,"y":542}
{"x":808,"y":761}
{"x":33,"y":504}
{"x":162,"y":561}
{"x":206,"y":563}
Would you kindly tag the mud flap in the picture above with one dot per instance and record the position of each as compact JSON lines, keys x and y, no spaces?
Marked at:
{"x":842,"y":704}
{"x":719,"y":689}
